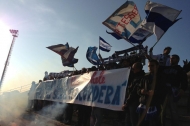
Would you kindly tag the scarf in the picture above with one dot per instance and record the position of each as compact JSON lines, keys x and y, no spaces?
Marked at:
{"x":151,"y":112}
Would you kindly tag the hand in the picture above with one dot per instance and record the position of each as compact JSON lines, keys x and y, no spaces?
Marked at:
{"x":150,"y":92}
{"x":185,"y":62}
{"x":143,"y":91}
{"x":124,"y":107}
{"x":151,"y":49}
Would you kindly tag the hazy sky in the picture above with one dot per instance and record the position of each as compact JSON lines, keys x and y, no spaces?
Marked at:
{"x":42,"y":23}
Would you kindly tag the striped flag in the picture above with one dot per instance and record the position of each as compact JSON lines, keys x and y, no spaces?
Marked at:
{"x":67,"y":53}
{"x":103,"y":45}
{"x":59,"y":49}
{"x":140,"y":34}
{"x":68,"y":63}
{"x":124,"y":20}
{"x":159,"y":18}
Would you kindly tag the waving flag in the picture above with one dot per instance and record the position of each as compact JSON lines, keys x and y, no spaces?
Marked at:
{"x":104,"y":46}
{"x":124,"y":20}
{"x":140,"y":34}
{"x":114,"y":35}
{"x":59,"y":49}
{"x":67,"y":63}
{"x":69,"y":55}
{"x":92,"y":56}
{"x":159,"y":18}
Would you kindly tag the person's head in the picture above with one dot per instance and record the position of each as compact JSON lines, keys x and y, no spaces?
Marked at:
{"x":125,"y":63}
{"x":167,"y":50}
{"x":75,"y":72}
{"x":101,"y":67}
{"x":174,"y":60}
{"x":137,"y":67}
{"x":113,"y":65}
{"x":153,"y":65}
{"x":40,"y":81}
{"x":83,"y":70}
{"x":93,"y":68}
{"x":46,"y":73}
{"x":107,"y":66}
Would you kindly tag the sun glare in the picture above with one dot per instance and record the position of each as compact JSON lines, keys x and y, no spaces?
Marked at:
{"x":5,"y":41}
{"x":4,"y":30}
{"x":5,"y":38}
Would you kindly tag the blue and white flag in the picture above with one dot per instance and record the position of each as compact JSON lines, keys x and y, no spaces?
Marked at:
{"x":115,"y":35}
{"x":69,"y":55}
{"x":59,"y":49}
{"x":140,"y":34}
{"x":68,"y":63}
{"x":124,"y":20}
{"x":159,"y":18}
{"x":91,"y":55}
{"x":104,"y":46}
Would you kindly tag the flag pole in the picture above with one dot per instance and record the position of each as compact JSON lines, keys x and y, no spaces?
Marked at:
{"x":149,"y":98}
{"x":74,"y":67}
{"x":99,"y":45}
{"x":14,"y":34}
{"x":99,"y":50}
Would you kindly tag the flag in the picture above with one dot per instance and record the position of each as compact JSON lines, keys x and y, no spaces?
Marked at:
{"x":59,"y":49}
{"x":140,"y":34}
{"x":91,"y":55}
{"x":67,"y":63}
{"x":159,"y":18}
{"x":124,"y":20}
{"x":69,"y":55}
{"x":104,"y":46}
{"x":115,"y":35}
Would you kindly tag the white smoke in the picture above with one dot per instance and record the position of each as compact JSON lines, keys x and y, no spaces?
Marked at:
{"x":14,"y":111}
{"x":12,"y":106}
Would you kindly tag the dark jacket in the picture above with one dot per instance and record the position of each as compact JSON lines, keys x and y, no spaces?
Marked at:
{"x":160,"y":89}
{"x":175,"y":76}
{"x":131,"y":92}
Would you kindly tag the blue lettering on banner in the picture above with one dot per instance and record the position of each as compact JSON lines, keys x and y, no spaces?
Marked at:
{"x":101,"y":93}
{"x":116,"y":99}
{"x":90,"y":90}
{"x":109,"y":92}
{"x":95,"y":93}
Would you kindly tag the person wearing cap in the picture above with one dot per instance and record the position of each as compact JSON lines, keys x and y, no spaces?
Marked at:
{"x":163,"y":59}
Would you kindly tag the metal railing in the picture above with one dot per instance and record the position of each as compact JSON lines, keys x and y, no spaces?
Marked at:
{"x":20,"y":89}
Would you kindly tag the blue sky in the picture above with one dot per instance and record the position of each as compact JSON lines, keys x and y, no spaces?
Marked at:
{"x":42,"y":23}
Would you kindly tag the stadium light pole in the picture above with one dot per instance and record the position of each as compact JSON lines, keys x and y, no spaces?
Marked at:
{"x":14,"y":34}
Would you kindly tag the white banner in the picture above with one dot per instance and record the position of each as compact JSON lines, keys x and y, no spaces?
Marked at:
{"x":104,"y":89}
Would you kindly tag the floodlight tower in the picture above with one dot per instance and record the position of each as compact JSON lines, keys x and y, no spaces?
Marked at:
{"x":14,"y":34}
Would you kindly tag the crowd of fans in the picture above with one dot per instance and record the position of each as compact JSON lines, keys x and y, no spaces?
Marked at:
{"x":147,"y":94}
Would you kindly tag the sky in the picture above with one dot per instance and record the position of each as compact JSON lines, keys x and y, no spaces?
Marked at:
{"x":43,"y":23}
